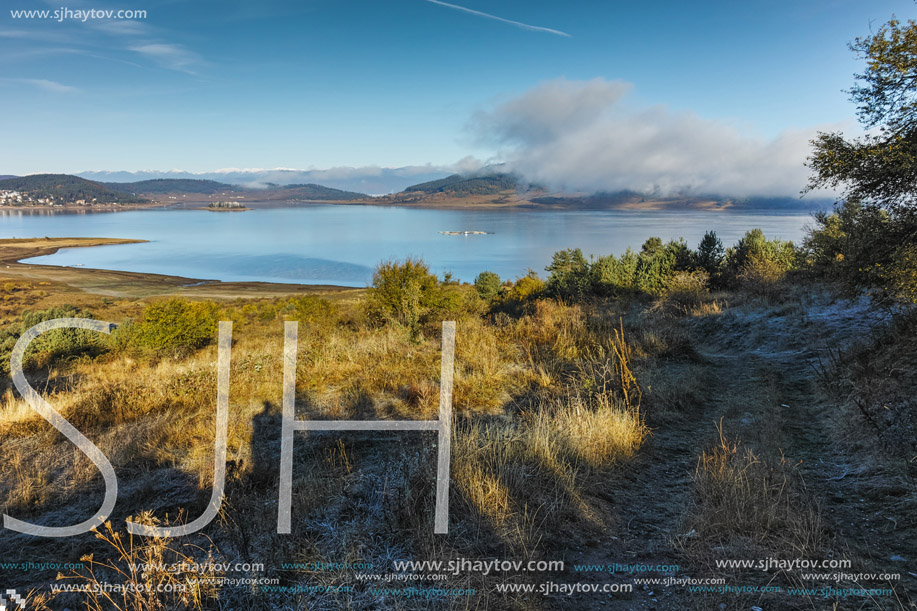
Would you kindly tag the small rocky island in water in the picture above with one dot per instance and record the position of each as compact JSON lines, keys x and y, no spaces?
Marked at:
{"x":226,"y":206}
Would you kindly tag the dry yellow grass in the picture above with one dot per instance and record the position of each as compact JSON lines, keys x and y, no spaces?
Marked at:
{"x":740,"y":495}
{"x":542,"y":401}
{"x":526,"y":471}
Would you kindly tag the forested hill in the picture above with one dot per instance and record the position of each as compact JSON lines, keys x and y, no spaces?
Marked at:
{"x":316,"y":192}
{"x":467,"y":185}
{"x":270,"y":191}
{"x":65,"y":189}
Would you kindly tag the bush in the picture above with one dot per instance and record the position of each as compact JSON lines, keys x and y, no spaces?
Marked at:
{"x":759,"y":262}
{"x":612,"y":275}
{"x":686,"y":290}
{"x":520,"y":294}
{"x":402,"y":292}
{"x":311,"y":311}
{"x":760,"y":275}
{"x":175,"y":325}
{"x":407,"y":294}
{"x":650,"y":271}
{"x":52,"y":345}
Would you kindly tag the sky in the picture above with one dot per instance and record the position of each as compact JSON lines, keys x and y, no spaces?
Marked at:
{"x":581,"y":94}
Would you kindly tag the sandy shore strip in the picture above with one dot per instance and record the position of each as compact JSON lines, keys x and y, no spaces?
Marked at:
{"x":134,"y":284}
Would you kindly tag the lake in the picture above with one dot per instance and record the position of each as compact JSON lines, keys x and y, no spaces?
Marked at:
{"x":328,"y":244}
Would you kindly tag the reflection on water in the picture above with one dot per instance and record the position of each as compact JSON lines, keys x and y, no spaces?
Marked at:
{"x":326,"y":244}
{"x":25,"y":212}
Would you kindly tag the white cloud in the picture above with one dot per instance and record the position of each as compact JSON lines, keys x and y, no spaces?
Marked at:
{"x":168,"y":55}
{"x":44,"y":85}
{"x":577,"y":136}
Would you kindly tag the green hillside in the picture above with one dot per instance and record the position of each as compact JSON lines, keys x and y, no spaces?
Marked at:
{"x":162,"y":186}
{"x":313,"y":191}
{"x":468,"y":185}
{"x":64,"y":189}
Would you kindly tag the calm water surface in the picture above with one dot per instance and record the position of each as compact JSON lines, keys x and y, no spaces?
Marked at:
{"x":341,"y":244}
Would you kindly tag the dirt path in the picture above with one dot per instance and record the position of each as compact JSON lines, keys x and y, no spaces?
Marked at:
{"x":758,"y":380}
{"x":867,"y":505}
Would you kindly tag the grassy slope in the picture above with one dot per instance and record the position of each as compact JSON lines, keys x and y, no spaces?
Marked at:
{"x":548,"y":461}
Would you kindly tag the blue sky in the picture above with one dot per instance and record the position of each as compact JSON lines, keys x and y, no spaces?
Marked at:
{"x":321,"y":83}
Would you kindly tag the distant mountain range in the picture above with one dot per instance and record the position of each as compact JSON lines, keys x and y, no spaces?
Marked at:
{"x":372,"y":180}
{"x":463,"y":190}
{"x":189,"y":189}
{"x":62,"y":189}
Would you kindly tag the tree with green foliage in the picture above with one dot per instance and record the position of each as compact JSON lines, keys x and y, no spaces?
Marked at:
{"x":656,"y":265}
{"x":613,"y":275}
{"x":488,"y":285}
{"x":649,"y":271}
{"x":865,"y":247}
{"x":880,"y":168}
{"x":569,"y":274}
{"x":651,"y":246}
{"x":684,"y":256}
{"x":710,"y":253}
{"x":869,"y":241}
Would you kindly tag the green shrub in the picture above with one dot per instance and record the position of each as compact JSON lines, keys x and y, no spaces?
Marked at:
{"x":407,"y":294}
{"x":649,"y":272}
{"x":518,"y":297}
{"x":175,"y":325}
{"x":53,"y":345}
{"x":573,"y":278}
{"x":309,"y":310}
{"x":759,"y":262}
{"x":685,"y":258}
{"x":612,"y":275}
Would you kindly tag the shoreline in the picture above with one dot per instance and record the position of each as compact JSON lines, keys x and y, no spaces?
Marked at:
{"x":469,"y":203}
{"x":89,"y":209}
{"x":113,"y":283}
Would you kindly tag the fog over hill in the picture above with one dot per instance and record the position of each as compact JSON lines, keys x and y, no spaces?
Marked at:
{"x":372,"y":180}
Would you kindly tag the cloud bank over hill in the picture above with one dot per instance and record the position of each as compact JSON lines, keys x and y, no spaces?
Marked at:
{"x":369,"y":179}
{"x":579,"y":137}
{"x":584,"y":136}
